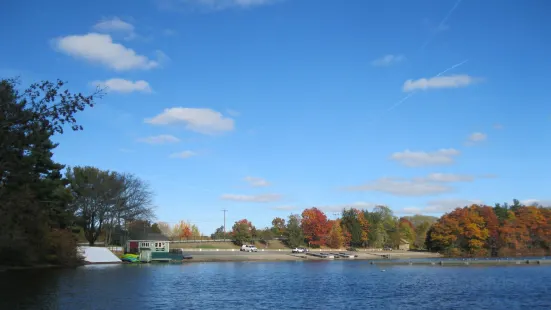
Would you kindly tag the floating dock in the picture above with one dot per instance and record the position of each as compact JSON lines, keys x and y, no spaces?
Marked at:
{"x":464,"y":262}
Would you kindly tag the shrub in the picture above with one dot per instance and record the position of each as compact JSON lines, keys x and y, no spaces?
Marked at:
{"x":63,"y":248}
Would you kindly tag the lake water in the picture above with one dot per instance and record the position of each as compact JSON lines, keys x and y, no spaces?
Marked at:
{"x":280,"y":285}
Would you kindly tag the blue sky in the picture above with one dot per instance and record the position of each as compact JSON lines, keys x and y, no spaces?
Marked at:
{"x":265,"y":108}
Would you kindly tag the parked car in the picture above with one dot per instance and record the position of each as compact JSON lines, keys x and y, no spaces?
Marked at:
{"x":305,"y":250}
{"x":248,"y":248}
{"x":387,"y":248}
{"x":298,"y":250}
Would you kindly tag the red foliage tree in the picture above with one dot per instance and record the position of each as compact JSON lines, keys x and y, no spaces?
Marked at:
{"x":315,"y":226}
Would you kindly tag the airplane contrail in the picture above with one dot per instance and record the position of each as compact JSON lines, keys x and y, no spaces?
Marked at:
{"x":449,"y":13}
{"x":457,"y":3}
{"x":414,"y":92}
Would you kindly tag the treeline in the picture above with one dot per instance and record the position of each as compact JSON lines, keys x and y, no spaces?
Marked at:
{"x":183,"y":230}
{"x":502,"y":230}
{"x":41,"y":210}
{"x":355,"y":228}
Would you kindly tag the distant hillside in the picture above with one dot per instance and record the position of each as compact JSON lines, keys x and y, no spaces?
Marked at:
{"x":418,"y":219}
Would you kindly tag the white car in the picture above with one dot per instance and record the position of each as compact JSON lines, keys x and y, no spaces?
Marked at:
{"x":249,"y":248}
{"x":298,"y":250}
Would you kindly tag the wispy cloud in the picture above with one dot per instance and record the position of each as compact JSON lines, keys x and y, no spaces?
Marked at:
{"x":388,"y":60}
{"x":440,"y":206}
{"x":403,"y":187}
{"x":252,"y":198}
{"x":116,"y":26}
{"x":340,"y":207}
{"x":448,"y":177}
{"x":404,"y":99}
{"x":498,"y":126}
{"x":419,"y":159}
{"x":169,"y":32}
{"x":212,"y":4}
{"x":205,"y":121}
{"x":532,"y":202}
{"x":451,"y":81}
{"x":160,"y":139}
{"x":257,"y":182}
{"x":476,"y":138}
{"x":124,"y":86}
{"x":183,"y":155}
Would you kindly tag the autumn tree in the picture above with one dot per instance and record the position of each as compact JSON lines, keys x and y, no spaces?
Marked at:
{"x":278,"y":226}
{"x":314,"y":226}
{"x":335,"y":239}
{"x":293,"y":231}
{"x":365,"y":227}
{"x":242,"y":231}
{"x":406,"y":230}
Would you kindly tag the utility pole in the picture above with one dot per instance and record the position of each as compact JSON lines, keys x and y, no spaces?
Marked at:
{"x":225,"y":223}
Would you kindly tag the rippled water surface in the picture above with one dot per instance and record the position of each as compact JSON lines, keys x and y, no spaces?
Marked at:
{"x":282,"y":285}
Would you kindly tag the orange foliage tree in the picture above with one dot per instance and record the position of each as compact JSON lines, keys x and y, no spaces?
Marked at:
{"x":335,"y":238}
{"x":315,"y":226}
{"x":499,"y":231}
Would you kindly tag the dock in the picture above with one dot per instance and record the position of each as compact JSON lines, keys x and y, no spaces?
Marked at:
{"x":341,"y":255}
{"x":463,"y":262}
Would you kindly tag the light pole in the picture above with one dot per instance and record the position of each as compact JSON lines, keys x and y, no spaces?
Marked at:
{"x":225,"y":223}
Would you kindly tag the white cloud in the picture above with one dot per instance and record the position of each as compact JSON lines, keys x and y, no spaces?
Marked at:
{"x":100,"y":48}
{"x":124,"y":86}
{"x":183,"y":155}
{"x":419,"y":159}
{"x":388,"y":60}
{"x":403,"y":187}
{"x":252,"y":198}
{"x":204,"y":121}
{"x":160,"y":139}
{"x":498,"y":126}
{"x":448,"y":177}
{"x":452,"y":81}
{"x":543,"y":202}
{"x":257,"y":182}
{"x":476,"y":138}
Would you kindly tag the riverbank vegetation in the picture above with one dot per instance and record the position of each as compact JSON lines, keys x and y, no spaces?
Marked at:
{"x":503,"y":230}
{"x":41,"y":210}
{"x":471,"y":231}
